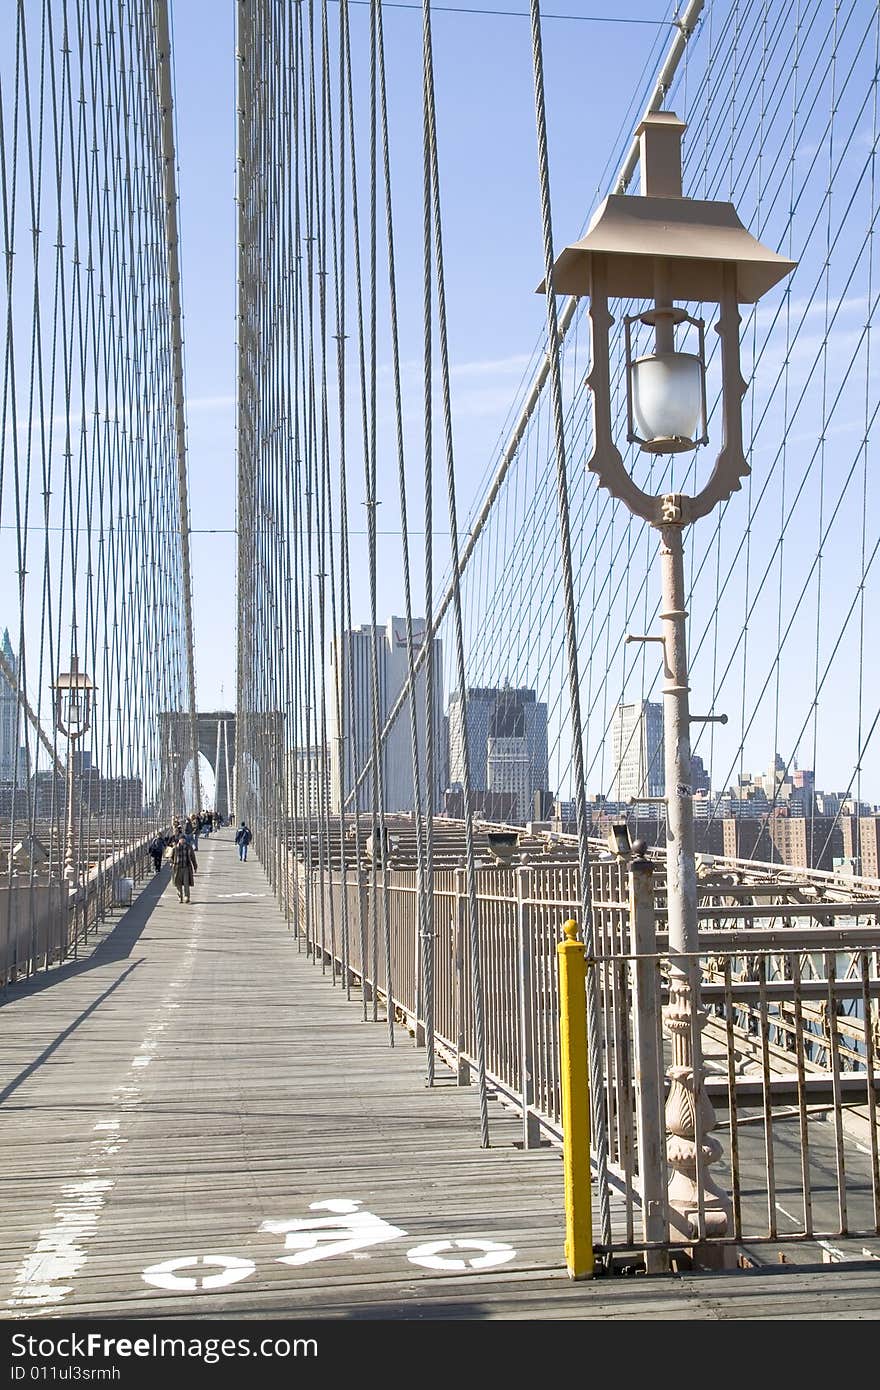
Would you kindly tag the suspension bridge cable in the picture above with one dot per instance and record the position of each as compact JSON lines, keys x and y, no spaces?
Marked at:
{"x":534,"y":396}
{"x":476,"y":980}
{"x":401,"y":482}
{"x":599,"y":1141}
{"x":90,"y":451}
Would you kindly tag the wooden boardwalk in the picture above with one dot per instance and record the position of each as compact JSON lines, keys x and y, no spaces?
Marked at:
{"x":196,"y":1123}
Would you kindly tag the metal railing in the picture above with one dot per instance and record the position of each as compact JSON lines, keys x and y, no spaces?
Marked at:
{"x":788,"y":1025}
{"x":43,"y":922}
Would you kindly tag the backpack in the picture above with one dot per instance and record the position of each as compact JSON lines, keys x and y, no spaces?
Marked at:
{"x":245,"y":837}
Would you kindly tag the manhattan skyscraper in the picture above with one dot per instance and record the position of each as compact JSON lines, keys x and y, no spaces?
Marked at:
{"x":350,"y":746}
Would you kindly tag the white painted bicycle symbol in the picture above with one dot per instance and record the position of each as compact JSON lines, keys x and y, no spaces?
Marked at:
{"x":167,"y":1275}
{"x":347,"y":1230}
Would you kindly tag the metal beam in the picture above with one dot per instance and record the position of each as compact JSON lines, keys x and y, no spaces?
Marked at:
{"x":783,"y":940}
{"x":788,"y":1090}
{"x":785,"y":992}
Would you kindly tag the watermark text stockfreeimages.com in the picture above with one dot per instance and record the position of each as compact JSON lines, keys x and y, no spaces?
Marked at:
{"x":28,"y":1351}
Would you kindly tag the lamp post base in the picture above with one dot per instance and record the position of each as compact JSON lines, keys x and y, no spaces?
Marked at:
{"x":698,"y":1209}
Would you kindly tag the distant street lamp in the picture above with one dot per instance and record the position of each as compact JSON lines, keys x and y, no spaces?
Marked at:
{"x":662,"y":247}
{"x":73,"y":713}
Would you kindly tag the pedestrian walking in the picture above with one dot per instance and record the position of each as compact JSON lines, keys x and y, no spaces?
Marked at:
{"x":183,"y":868}
{"x":243,"y":838}
{"x":156,"y":849}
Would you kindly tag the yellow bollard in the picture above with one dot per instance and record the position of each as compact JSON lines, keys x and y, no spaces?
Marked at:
{"x":575,"y":1088}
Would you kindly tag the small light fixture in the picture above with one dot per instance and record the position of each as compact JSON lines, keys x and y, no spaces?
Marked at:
{"x":618,"y":839}
{"x":381,"y":846}
{"x":73,"y":701}
{"x":663,"y":247}
{"x":666,"y":391}
{"x":30,"y":852}
{"x":502,"y":845}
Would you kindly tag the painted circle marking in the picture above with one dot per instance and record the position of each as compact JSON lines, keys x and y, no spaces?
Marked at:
{"x":430,"y":1254}
{"x":231,"y":1271}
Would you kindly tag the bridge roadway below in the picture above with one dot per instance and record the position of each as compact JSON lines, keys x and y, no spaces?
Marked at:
{"x":193,"y":1088}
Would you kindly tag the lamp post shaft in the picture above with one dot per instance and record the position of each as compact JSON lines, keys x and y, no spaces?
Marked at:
{"x":681,"y":876}
{"x":70,"y":866}
{"x":697,"y":1206}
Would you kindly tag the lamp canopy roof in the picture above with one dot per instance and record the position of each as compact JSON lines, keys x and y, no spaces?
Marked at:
{"x":74,"y":679}
{"x":689,"y":241}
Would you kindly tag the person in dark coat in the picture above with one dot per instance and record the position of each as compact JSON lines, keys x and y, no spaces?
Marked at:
{"x":183,"y":868}
{"x":156,"y":849}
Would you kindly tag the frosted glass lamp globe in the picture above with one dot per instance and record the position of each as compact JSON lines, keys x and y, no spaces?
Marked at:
{"x":667,"y":400}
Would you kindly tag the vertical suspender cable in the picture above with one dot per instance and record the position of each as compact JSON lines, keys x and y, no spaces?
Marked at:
{"x":160,"y":13}
{"x":427,"y":652}
{"x":600,"y":1140}
{"x":401,"y":479}
{"x":367,"y":765}
{"x":473,"y":918}
{"x":341,"y":664}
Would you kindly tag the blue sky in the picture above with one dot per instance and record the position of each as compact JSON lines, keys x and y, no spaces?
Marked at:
{"x":598,"y":75}
{"x":491,"y":212}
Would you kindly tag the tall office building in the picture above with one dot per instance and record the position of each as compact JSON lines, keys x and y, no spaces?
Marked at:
{"x":637,"y":749}
{"x":508,"y":765}
{"x":10,"y":770}
{"x":306,"y":788}
{"x":475,"y":717}
{"x":357,"y":731}
{"x":507,"y":744}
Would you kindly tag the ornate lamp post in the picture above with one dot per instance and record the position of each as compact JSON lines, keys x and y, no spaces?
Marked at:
{"x":73,"y":712}
{"x":660,"y":248}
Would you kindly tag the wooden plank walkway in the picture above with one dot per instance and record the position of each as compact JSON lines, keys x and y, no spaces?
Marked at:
{"x":181,"y":1106}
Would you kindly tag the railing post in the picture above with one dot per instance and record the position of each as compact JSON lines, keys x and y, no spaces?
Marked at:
{"x":418,"y":926}
{"x":460,"y":927}
{"x":337,"y":893}
{"x":364,"y":914}
{"x":288,"y":888}
{"x":648,"y":1041}
{"x":575,"y":1092}
{"x":531,"y":1128}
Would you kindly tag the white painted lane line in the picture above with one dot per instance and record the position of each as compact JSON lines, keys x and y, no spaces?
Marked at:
{"x":44,"y":1276}
{"x":797,"y":1220}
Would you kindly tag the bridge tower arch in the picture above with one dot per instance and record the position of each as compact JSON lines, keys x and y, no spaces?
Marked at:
{"x":215,"y":732}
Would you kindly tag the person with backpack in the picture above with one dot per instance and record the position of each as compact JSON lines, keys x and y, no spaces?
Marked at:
{"x":156,"y":849}
{"x":242,"y":839}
